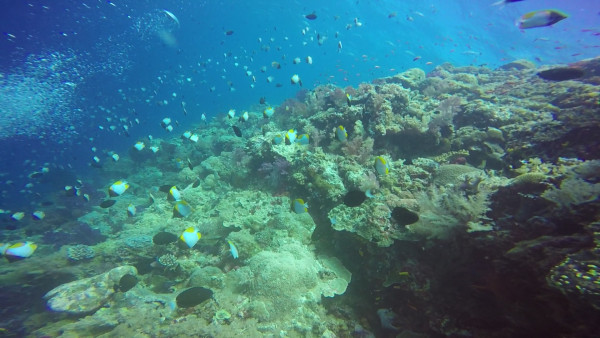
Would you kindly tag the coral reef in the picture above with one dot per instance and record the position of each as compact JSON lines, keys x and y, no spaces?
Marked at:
{"x":485,"y":219}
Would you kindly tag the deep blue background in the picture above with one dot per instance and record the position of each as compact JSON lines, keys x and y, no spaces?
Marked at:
{"x":115,"y":61}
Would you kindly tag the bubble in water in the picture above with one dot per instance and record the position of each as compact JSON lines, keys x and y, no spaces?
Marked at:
{"x":37,"y":98}
{"x":156,"y":23}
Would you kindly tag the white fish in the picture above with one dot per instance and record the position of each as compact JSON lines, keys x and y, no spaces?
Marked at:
{"x":172,"y":16}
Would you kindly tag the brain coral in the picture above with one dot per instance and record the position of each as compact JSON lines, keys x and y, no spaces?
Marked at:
{"x":292,"y":278}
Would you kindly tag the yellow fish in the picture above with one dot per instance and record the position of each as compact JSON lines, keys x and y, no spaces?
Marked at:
{"x":381,"y":165}
{"x":341,"y":133}
{"x":118,"y":188}
{"x":190,"y":236}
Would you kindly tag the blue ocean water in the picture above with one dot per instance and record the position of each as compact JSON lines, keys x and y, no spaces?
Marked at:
{"x":68,"y":66}
{"x":85,"y":79}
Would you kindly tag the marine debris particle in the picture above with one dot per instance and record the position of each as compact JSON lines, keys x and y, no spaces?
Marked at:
{"x":561,"y":74}
{"x":127,"y":282}
{"x":404,"y":216}
{"x":164,"y":238}
{"x":107,"y":203}
{"x":354,"y":198}
{"x":193,"y":296}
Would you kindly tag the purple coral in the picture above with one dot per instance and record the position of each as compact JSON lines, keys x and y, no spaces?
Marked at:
{"x":275,"y":171}
{"x":448,"y":109}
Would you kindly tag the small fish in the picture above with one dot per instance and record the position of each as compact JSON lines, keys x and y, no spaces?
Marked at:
{"x":341,"y":133}
{"x":299,"y":206}
{"x":504,"y":2}
{"x":174,"y":194}
{"x":268,"y":112}
{"x":302,"y":139}
{"x":392,"y":15}
{"x":118,"y":188}
{"x":36,"y":174}
{"x":165,"y":188}
{"x":172,"y":16}
{"x":165,"y":122}
{"x":311,"y":16}
{"x":229,"y":32}
{"x":309,"y":60}
{"x":290,"y":136}
{"x":139,"y":146}
{"x":189,"y":163}
{"x":381,"y":165}
{"x":231,"y":113}
{"x":154,"y":149}
{"x":107,"y":203}
{"x":182,"y":209}
{"x":543,"y":18}
{"x":20,"y":250}
{"x":295,"y":79}
{"x":276,"y":65}
{"x":278,"y":139}
{"x":262,"y":100}
{"x":203,"y":118}
{"x":196,"y":183}
{"x":131,"y":210}
{"x":233,"y":249}
{"x":244,"y":117}
{"x":349,"y":99}
{"x":38,"y":215}
{"x":194,"y":138}
{"x":17,"y":216}
{"x":237,"y":131}
{"x":190,"y":236}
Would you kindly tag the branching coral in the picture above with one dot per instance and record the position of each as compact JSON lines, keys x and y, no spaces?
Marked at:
{"x":444,"y":211}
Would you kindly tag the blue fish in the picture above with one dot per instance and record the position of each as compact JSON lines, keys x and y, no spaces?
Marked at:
{"x":233,"y":249}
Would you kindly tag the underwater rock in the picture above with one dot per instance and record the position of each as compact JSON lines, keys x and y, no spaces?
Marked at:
{"x":561,"y":74}
{"x":354,"y":198}
{"x":88,"y":294}
{"x":164,"y":238}
{"x":518,"y":65}
{"x":193,"y":296}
